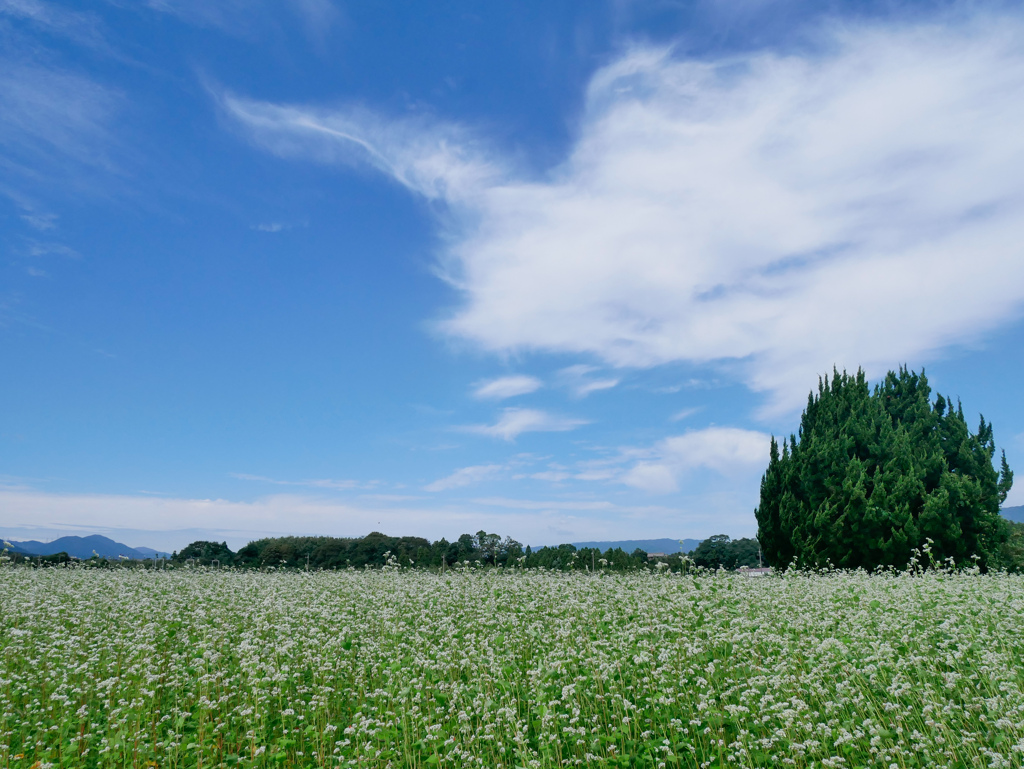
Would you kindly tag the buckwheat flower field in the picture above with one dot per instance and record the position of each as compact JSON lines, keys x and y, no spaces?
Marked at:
{"x":495,"y":668}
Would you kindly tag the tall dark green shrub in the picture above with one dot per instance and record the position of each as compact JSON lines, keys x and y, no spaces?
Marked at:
{"x":872,"y":475}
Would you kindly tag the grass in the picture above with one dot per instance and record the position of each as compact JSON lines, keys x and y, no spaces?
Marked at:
{"x":133,"y":668}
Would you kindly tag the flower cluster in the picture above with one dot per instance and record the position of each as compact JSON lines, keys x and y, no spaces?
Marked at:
{"x":509,"y":668}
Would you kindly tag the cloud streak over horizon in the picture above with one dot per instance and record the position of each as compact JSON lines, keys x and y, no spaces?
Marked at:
{"x":170,"y":523}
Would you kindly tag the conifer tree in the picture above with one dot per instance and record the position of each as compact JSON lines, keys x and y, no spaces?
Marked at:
{"x":873,"y":475}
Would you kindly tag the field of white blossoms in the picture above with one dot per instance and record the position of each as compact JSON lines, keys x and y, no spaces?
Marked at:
{"x":495,"y":668}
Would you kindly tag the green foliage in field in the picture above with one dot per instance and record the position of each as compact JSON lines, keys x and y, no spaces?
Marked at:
{"x":1012,"y":554}
{"x":720,"y":552}
{"x":374,"y":550}
{"x":874,"y":476}
{"x":205,"y":553}
{"x":42,"y":560}
{"x":508,"y":668}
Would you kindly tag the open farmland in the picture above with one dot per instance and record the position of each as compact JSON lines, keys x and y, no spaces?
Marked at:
{"x":494,"y":668}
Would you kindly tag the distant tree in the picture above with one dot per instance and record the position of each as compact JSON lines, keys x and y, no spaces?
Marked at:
{"x":1012,"y":552}
{"x":466,"y":547}
{"x":438,"y":553}
{"x":509,"y":551}
{"x":279,"y":552}
{"x":487,"y":545}
{"x":719,"y":551}
{"x":205,"y":553}
{"x":248,"y":555}
{"x":712,"y":552}
{"x":482,"y":548}
{"x":746,"y":552}
{"x":873,"y":475}
{"x":55,"y":558}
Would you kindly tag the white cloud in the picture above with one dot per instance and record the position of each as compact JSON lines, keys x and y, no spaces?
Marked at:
{"x":245,"y":17}
{"x":41,"y":222}
{"x":29,"y":210}
{"x":515,"y":421}
{"x":440,"y":161}
{"x":269,"y":227}
{"x":551,"y":504}
{"x":312,"y":483}
{"x":653,"y":477}
{"x":552,"y":476}
{"x":685,"y":413}
{"x":860,"y":205}
{"x":465,"y":476}
{"x":52,"y":118}
{"x":728,"y":451}
{"x":580,"y":383}
{"x":790,"y":212}
{"x":318,"y":17}
{"x":507,"y":387}
{"x":604,"y":474}
{"x":81,"y":28}
{"x":49,"y":249}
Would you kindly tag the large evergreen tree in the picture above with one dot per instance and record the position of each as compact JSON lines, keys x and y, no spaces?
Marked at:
{"x":872,"y":475}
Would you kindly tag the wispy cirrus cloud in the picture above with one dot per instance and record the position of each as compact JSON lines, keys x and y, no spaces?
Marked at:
{"x":771,"y":213}
{"x":541,"y":504}
{"x":332,"y":484}
{"x":506,"y":387}
{"x":81,"y":28}
{"x":552,"y":476}
{"x":440,"y":161}
{"x":515,"y":421}
{"x":465,"y":476}
{"x":245,"y":18}
{"x":36,"y":248}
{"x":39,"y":221}
{"x":53,"y":122}
{"x":579,"y":380}
{"x":686,"y":413}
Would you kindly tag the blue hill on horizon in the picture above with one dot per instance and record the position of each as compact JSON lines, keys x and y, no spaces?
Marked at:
{"x":664,"y":545}
{"x":1015,"y":514}
{"x":84,"y":547}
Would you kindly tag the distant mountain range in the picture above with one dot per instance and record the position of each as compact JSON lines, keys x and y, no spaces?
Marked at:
{"x":647,"y":545}
{"x":84,"y":547}
{"x":668,"y":546}
{"x":1015,"y":514}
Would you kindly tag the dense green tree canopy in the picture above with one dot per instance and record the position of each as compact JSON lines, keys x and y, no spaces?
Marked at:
{"x":373,"y":551}
{"x":718,"y":551}
{"x":873,"y":475}
{"x":205,"y":553}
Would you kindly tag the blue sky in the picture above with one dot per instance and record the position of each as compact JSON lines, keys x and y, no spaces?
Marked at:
{"x":553,"y":270}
